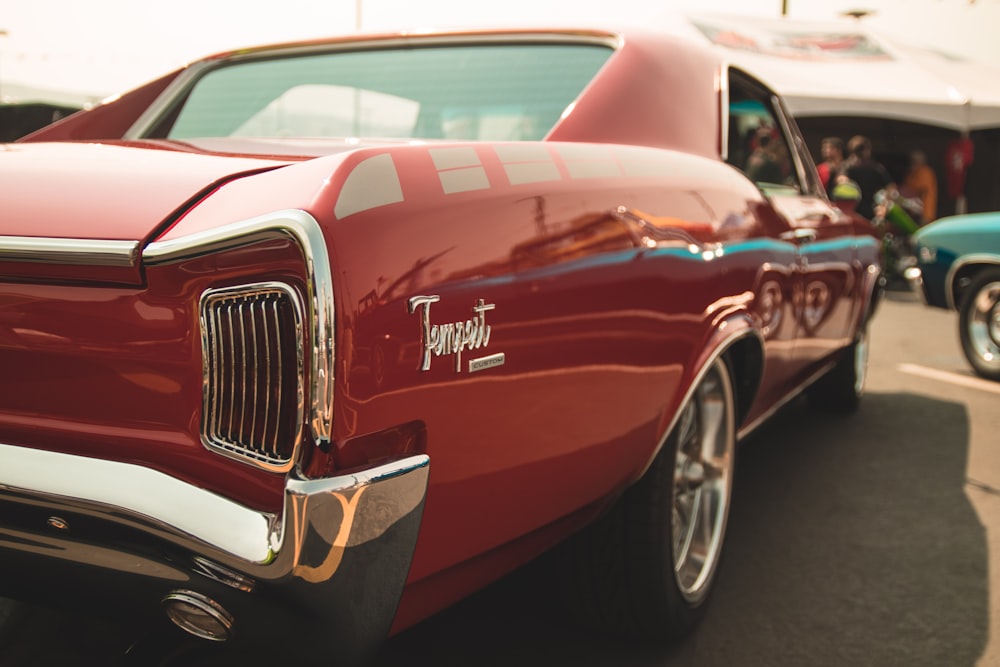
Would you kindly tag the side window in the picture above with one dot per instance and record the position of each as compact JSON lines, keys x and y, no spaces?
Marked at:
{"x":758,"y":140}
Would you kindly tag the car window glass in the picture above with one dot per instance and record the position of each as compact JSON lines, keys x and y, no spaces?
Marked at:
{"x":302,"y":111}
{"x":758,"y":142}
{"x":493,"y":92}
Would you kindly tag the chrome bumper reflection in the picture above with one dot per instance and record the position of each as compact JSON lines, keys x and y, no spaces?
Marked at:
{"x":336,"y":558}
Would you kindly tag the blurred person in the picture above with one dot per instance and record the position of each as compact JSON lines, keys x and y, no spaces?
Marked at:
{"x":870,"y":175}
{"x":921,"y":183}
{"x":764,"y":164}
{"x":831,"y":149}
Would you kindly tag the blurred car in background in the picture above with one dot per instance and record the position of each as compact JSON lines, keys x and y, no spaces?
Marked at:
{"x":959,"y":269}
{"x":18,"y":120}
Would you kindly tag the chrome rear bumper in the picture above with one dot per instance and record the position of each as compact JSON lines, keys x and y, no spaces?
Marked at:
{"x":323,"y":578}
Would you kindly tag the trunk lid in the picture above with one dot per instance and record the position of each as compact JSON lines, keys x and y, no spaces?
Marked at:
{"x":76,"y":211}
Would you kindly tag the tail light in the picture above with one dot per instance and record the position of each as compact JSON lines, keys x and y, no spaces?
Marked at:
{"x":252,"y":344}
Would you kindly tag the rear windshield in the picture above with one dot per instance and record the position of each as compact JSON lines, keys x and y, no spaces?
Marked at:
{"x":513,"y":92}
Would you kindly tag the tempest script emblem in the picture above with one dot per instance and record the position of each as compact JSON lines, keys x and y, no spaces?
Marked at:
{"x":455,"y":337}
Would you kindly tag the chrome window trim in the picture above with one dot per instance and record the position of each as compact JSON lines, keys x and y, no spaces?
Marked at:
{"x":793,"y":146}
{"x":305,"y":231}
{"x":960,"y":263}
{"x":161,"y":105}
{"x":724,"y":119}
{"x":76,"y":252}
{"x":187,"y":78}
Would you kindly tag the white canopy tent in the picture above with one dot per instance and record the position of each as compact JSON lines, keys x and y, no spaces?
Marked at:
{"x":839,"y":79}
{"x":15,"y":93}
{"x":837,"y":68}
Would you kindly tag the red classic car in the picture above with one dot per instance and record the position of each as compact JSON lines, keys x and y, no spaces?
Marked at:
{"x":301,"y":344}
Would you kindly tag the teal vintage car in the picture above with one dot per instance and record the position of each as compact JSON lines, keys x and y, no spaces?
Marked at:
{"x":958,"y":268}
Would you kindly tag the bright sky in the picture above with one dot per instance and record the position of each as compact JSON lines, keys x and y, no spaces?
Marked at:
{"x":99,"y":47}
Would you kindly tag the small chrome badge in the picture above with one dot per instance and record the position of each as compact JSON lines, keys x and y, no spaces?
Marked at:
{"x":454,"y":337}
{"x":484,"y":363}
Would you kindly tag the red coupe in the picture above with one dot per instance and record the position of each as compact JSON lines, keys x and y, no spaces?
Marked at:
{"x":300,"y":344}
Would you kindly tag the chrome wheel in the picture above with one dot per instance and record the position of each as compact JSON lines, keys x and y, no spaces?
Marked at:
{"x":703,"y":474}
{"x":980,"y":325}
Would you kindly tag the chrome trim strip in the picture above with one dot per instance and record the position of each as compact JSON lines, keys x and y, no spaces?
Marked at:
{"x":793,"y":143}
{"x":962,"y":262}
{"x":305,"y":231}
{"x":77,"y":252}
{"x":724,"y":118}
{"x":161,"y":105}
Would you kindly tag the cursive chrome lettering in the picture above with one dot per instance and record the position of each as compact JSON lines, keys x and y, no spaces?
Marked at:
{"x":453,"y":337}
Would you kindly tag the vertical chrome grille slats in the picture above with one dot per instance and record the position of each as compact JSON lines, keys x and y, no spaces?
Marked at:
{"x":216,"y":371}
{"x":254,"y":371}
{"x":252,"y":338}
{"x":232,"y":369}
{"x":273,"y":444}
{"x":240,"y":374}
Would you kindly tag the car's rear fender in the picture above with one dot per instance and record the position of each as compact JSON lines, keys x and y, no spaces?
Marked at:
{"x":735,"y":339}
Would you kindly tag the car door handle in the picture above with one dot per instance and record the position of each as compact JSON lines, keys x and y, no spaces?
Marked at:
{"x":799,"y":235}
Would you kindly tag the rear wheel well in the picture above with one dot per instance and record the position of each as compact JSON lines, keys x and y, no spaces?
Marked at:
{"x":745,"y":359}
{"x":965,"y":276}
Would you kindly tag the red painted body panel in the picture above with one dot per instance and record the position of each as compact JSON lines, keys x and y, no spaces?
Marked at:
{"x":609,"y":275}
{"x":110,"y":120}
{"x":606,"y":326}
{"x":121,"y":192}
{"x":115,"y":372}
{"x":635,"y":99}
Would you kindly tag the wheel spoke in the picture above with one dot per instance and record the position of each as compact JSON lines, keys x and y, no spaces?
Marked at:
{"x":713,"y":411}
{"x":682,"y":545}
{"x":707,"y":521}
{"x":687,"y":434}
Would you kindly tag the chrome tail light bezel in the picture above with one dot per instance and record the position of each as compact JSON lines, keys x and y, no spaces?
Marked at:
{"x":216,"y":371}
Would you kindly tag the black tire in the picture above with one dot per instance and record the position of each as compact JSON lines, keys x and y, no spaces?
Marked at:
{"x":841,"y":389}
{"x":642,"y":570}
{"x":979,"y":324}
